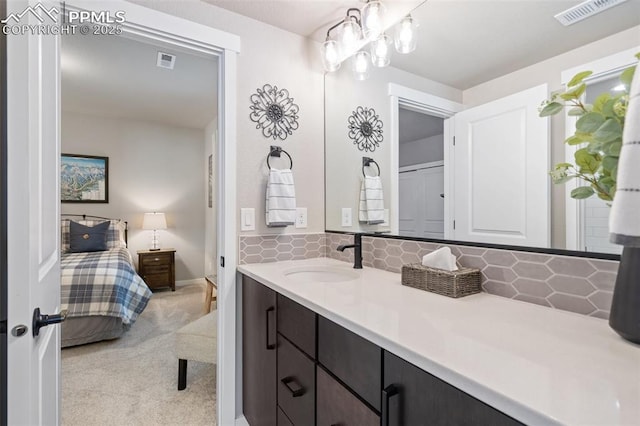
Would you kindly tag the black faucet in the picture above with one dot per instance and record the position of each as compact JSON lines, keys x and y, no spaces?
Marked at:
{"x":357,"y":250}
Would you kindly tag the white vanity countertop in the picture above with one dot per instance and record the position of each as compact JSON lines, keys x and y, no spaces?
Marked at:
{"x":536,"y":364}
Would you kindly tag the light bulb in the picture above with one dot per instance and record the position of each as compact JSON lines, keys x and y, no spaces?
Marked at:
{"x":330,"y":56}
{"x":349,"y":34}
{"x":405,"y":37}
{"x":380,"y":51}
{"x":361,"y":65}
{"x":373,"y":19}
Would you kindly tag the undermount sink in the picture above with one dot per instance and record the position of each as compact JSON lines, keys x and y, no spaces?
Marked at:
{"x":322,"y":274}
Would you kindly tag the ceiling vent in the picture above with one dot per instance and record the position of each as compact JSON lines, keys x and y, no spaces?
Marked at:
{"x":585,"y":10}
{"x":166,"y":60}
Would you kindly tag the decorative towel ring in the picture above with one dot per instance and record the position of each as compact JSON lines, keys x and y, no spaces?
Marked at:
{"x":275,"y":152}
{"x":366,"y":162}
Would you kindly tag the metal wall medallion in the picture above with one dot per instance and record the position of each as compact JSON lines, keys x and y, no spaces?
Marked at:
{"x":274,"y":112}
{"x":365,"y":129}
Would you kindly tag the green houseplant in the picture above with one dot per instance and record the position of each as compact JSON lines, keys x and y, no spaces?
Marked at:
{"x":598,"y":135}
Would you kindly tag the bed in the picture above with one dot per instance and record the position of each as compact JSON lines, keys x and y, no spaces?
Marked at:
{"x":100,"y":290}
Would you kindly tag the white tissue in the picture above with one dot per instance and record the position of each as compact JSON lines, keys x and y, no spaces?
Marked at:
{"x":440,"y":259}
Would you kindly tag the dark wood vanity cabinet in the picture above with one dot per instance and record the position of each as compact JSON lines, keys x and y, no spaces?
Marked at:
{"x":258,"y":353}
{"x":338,"y":406}
{"x":304,"y":370}
{"x":414,"y":397}
{"x":354,"y":360}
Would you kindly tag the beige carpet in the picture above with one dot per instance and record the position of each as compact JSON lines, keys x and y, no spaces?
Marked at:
{"x":133,"y":380}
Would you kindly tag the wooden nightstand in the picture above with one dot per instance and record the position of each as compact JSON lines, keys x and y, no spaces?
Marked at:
{"x":158,"y":267}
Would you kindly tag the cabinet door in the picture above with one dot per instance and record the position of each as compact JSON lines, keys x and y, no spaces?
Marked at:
{"x":351,"y":358}
{"x":338,"y":406}
{"x":413,"y":397}
{"x":258,"y":353}
{"x":296,"y":384}
{"x":298,"y":324}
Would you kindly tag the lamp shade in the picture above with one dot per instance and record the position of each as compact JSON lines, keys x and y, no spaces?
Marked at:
{"x":154,"y":221}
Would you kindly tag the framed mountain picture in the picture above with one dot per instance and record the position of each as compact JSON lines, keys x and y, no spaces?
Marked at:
{"x":84,"y":179}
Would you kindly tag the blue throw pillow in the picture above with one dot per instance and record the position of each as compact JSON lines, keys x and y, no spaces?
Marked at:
{"x":87,"y":238}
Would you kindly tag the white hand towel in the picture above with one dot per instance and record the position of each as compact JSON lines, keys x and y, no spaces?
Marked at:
{"x":440,"y":259}
{"x":281,"y":198}
{"x":371,"y":208}
{"x":624,"y":219}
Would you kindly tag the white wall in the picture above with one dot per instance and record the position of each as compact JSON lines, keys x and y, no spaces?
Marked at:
{"x":549,"y":71}
{"x":274,"y":56}
{"x":344,"y":161}
{"x":152,"y":167}
{"x":421,"y":151}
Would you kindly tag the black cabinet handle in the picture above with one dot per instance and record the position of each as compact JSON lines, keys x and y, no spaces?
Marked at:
{"x":387,"y":393}
{"x":294,"y":392}
{"x":272,"y":346}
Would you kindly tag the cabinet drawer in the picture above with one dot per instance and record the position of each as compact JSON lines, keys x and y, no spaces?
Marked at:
{"x":161,"y":269}
{"x":296,"y":383}
{"x":298,"y":324}
{"x":158,"y":259}
{"x":338,"y":406}
{"x":155,"y":280}
{"x":418,"y":398}
{"x":353,"y":359}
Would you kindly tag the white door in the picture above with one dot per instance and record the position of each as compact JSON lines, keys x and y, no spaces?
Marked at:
{"x":33,"y":221}
{"x":501,"y":181}
{"x":433,"y":204}
{"x":421,"y":207}
{"x":408,"y":208}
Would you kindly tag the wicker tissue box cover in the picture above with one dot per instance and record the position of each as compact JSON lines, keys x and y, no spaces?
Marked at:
{"x":463,"y":282}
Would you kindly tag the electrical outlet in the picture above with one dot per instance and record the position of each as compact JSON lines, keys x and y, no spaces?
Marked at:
{"x":247,"y":219}
{"x":301,"y":217}
{"x":347,"y":219}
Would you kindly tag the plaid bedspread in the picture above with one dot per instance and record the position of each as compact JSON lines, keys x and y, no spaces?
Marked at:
{"x":102,"y":283}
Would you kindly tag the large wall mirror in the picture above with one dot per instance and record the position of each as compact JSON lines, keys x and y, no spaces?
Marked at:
{"x":454,"y":132}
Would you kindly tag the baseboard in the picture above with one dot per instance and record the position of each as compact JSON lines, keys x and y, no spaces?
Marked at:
{"x":181,"y":283}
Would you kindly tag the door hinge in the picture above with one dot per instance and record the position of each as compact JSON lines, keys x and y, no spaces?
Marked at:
{"x":222,"y":261}
{"x":454,"y":224}
{"x":454,"y":141}
{"x":3,"y":327}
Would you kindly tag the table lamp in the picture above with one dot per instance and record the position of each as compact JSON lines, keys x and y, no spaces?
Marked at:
{"x":154,"y":221}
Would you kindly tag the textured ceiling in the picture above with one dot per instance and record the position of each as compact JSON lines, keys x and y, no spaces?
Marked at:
{"x":117,"y":77}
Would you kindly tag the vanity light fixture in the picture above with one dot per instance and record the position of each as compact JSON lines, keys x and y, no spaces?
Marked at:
{"x":361,"y":27}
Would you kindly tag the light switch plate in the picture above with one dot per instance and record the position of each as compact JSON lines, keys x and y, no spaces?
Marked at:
{"x":347,"y":219}
{"x":247,"y":219}
{"x":301,"y":217}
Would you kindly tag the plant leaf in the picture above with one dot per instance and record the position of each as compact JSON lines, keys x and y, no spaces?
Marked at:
{"x":576,"y":112}
{"x":587,"y":161}
{"x":577,"y":79}
{"x":582,"y":192}
{"x":551,"y":108}
{"x":609,"y":162}
{"x":613,"y":148}
{"x":627,"y":76}
{"x":602,"y":99}
{"x":610,"y":130}
{"x":590,"y":122}
{"x":574,"y":140}
{"x":574,"y":93}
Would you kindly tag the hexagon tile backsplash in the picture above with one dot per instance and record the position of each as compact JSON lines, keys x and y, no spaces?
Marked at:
{"x":575,"y":284}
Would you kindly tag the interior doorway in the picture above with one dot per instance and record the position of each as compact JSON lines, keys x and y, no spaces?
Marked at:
{"x":421,"y":174}
{"x":151,"y":109}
